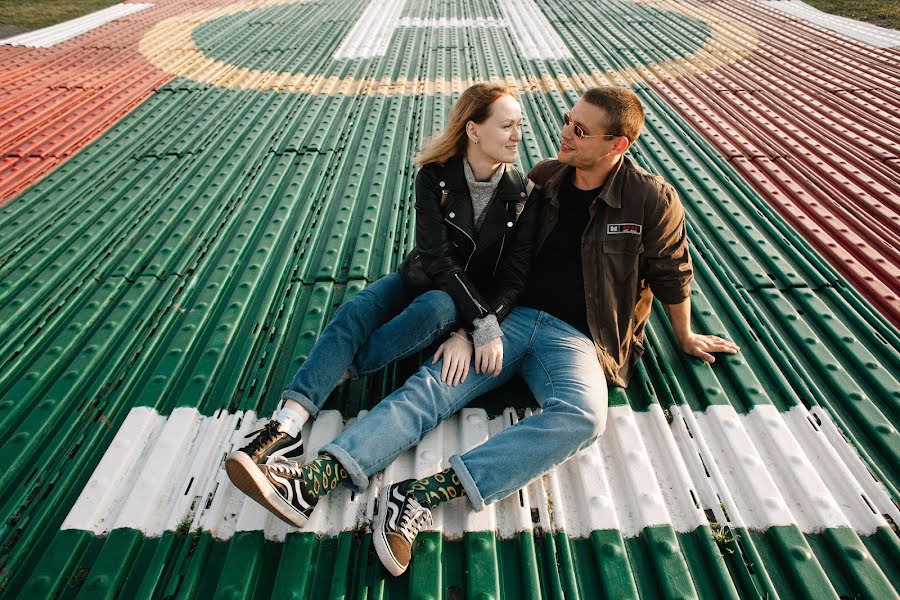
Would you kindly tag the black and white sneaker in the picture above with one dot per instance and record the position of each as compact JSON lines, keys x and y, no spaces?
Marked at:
{"x":400,"y":519}
{"x":277,"y":489}
{"x":283,"y":494}
{"x":273,"y":441}
{"x":270,"y":443}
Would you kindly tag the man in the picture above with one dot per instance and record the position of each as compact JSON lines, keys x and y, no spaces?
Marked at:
{"x":613,"y":236}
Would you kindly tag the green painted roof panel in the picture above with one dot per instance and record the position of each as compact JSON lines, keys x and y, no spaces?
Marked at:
{"x":189,"y":257}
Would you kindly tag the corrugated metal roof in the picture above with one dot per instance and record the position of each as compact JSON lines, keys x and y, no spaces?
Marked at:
{"x":756,"y":471}
{"x":161,"y":285}
{"x":780,"y":116}
{"x":50,"y":36}
{"x":56,"y":100}
{"x":873,"y":35}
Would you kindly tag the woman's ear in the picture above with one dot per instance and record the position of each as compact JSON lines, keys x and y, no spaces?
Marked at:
{"x":472,"y":131}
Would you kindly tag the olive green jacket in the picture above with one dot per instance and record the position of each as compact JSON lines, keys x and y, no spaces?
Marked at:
{"x":634,"y":247}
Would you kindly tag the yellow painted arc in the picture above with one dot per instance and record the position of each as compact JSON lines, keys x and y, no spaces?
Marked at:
{"x":170,"y":47}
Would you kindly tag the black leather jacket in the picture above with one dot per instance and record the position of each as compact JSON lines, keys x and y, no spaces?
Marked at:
{"x":483,"y":272}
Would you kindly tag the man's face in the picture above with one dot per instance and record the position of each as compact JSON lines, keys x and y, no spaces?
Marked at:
{"x":585,"y":152}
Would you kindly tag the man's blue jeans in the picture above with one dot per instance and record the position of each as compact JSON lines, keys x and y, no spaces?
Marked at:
{"x":379,"y":325}
{"x":560,"y":366}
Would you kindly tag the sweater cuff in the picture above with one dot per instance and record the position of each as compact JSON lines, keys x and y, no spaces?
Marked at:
{"x":486,"y":329}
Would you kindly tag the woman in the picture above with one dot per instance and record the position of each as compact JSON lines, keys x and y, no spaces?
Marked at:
{"x":475,"y":225}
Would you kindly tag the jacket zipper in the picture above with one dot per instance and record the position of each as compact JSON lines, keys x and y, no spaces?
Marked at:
{"x":503,"y":241}
{"x":500,"y":254}
{"x":471,"y":297}
{"x":474,"y":245}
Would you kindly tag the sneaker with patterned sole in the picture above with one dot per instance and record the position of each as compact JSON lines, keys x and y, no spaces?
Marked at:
{"x":276,"y":488}
{"x":400,"y":519}
{"x":269,"y":443}
{"x":285,"y":497}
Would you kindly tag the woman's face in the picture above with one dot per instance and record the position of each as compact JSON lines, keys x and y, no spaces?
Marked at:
{"x":498,"y":136}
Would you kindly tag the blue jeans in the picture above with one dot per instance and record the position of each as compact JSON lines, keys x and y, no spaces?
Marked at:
{"x":560,"y":366}
{"x":379,"y":325}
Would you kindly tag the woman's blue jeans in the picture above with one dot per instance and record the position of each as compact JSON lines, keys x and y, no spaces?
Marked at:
{"x":560,"y":366}
{"x":379,"y":325}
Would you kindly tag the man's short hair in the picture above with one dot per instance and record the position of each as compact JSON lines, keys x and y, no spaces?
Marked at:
{"x":624,"y":112}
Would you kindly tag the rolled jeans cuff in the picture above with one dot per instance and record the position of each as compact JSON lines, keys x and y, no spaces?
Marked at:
{"x":302,"y":400}
{"x":465,"y":478}
{"x":357,"y":476}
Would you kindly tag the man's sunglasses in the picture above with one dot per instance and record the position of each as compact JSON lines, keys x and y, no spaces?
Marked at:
{"x":579,"y":132}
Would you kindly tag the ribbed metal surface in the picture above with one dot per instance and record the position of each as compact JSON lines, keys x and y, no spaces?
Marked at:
{"x":188,"y":258}
{"x":644,"y":476}
{"x":648,"y":469}
{"x":55,"y":100}
{"x":50,"y":36}
{"x":810,"y":119}
{"x":868,"y":33}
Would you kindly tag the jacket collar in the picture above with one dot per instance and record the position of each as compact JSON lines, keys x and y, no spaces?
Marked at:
{"x":497,"y":218}
{"x":610,"y":192}
{"x":453,"y":175}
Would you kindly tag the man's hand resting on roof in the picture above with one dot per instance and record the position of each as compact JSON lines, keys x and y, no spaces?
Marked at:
{"x":702,"y":346}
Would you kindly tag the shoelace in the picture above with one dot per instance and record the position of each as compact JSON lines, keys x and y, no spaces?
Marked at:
{"x":270,"y":431}
{"x":413,"y":519}
{"x":285,"y":466}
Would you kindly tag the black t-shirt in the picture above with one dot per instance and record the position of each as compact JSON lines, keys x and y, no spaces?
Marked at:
{"x":556,"y":285}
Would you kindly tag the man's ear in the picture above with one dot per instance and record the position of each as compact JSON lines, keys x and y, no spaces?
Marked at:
{"x":622,"y":144}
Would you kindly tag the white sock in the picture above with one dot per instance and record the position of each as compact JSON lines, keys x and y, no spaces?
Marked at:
{"x":292,"y":420}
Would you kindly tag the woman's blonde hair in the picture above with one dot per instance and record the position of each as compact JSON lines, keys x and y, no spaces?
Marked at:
{"x":473,"y":105}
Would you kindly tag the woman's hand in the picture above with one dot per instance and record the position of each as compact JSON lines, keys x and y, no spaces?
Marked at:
{"x":457,"y":354}
{"x":489,"y":357}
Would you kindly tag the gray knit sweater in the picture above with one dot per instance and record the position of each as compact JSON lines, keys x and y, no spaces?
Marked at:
{"x":486,"y":328}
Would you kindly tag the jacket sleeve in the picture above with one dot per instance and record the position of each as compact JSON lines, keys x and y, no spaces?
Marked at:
{"x":666,"y":262}
{"x":542,"y":171}
{"x":437,"y":255}
{"x":515,"y":264}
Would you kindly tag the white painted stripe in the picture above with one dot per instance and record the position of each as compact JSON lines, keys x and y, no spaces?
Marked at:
{"x":844,"y":470}
{"x":50,"y":36}
{"x":151,"y":493}
{"x":589,"y":496}
{"x":531,"y":30}
{"x":372,"y":31}
{"x":445,"y":23}
{"x":764,"y":468}
{"x":782,"y":468}
{"x":98,"y":504}
{"x":785,"y":457}
{"x":817,"y":484}
{"x":756,"y":500}
{"x":639,"y":500}
{"x":710,"y":487}
{"x":213,"y":436}
{"x":671,"y":473}
{"x":880,"y":37}
{"x":221,"y":503}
